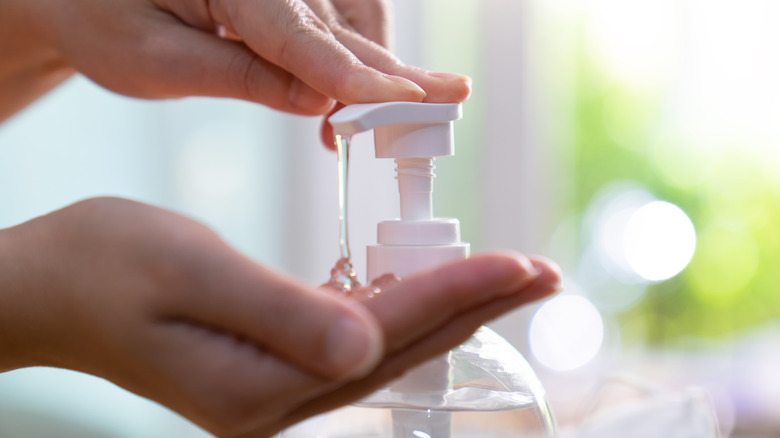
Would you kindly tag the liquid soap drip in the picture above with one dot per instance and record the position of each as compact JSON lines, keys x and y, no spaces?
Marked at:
{"x":376,"y":287}
{"x":343,"y":276}
{"x":342,"y":149}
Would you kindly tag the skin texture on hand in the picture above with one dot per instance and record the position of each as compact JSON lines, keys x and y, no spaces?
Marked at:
{"x":158,"y":304}
{"x":298,"y":56}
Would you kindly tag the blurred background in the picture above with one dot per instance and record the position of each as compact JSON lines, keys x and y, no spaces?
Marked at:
{"x":633,"y":141}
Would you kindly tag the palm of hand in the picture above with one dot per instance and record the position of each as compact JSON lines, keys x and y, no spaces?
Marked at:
{"x":160,"y":305}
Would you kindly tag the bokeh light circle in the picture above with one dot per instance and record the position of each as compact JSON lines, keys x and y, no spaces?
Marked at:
{"x":659,"y":241}
{"x":566,"y":332}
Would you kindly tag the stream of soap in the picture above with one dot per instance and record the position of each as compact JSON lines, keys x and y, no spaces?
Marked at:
{"x":343,"y":276}
{"x":342,"y":148}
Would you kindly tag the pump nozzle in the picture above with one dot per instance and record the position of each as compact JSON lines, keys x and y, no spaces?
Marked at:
{"x":401,"y":129}
{"x":365,"y":116}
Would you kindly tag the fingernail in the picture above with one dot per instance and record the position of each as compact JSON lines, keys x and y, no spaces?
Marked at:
{"x":407,"y":85}
{"x":450,"y":77}
{"x":529,"y":266}
{"x":551,"y":265}
{"x":524,"y":261}
{"x":351,"y":349}
{"x":453,"y":87}
{"x":518,"y":279}
{"x":555,"y":274}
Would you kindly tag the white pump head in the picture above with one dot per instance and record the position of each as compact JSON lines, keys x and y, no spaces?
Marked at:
{"x":412,"y":133}
{"x":401,"y":129}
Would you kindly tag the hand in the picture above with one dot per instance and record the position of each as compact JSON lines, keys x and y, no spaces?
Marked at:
{"x":160,"y":305}
{"x":298,"y":56}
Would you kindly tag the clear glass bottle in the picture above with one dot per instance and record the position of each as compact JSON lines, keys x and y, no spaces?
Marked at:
{"x":490,"y":392}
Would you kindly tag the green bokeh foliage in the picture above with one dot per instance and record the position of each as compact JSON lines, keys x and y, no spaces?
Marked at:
{"x":733,"y":281}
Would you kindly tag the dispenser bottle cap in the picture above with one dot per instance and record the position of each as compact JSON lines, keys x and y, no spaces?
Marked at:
{"x":402,"y":129}
{"x":366,"y":116}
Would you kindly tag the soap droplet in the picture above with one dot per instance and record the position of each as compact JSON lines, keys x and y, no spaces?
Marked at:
{"x":384,"y":282}
{"x":343,"y":277}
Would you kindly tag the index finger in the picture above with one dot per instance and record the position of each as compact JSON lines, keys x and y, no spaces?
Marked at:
{"x":291,"y":35}
{"x":418,"y":305}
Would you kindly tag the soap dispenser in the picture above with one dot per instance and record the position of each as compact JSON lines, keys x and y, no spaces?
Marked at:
{"x":481,"y":389}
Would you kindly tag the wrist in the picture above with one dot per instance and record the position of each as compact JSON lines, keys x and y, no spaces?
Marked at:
{"x":11,"y":352}
{"x":25,"y":339}
{"x":31,"y":64}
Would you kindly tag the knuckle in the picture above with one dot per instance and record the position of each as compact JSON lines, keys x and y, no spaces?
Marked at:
{"x":306,"y":24}
{"x":340,"y":28}
{"x":342,"y":84}
{"x":253,"y":78}
{"x":240,"y":70}
{"x":300,"y":30}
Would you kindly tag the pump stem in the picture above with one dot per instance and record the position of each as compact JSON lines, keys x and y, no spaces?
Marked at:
{"x":415,"y":186}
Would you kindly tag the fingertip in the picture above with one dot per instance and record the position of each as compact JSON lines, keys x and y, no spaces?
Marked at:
{"x":549,"y":270}
{"x":522,"y":263}
{"x":326,"y":131}
{"x":533,"y":277}
{"x":506,"y":271}
{"x":326,"y":135}
{"x":447,"y":87}
{"x":549,"y":281}
{"x":354,"y":345}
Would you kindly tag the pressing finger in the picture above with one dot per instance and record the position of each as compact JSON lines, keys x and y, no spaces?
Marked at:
{"x":439,"y":87}
{"x":293,"y":36}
